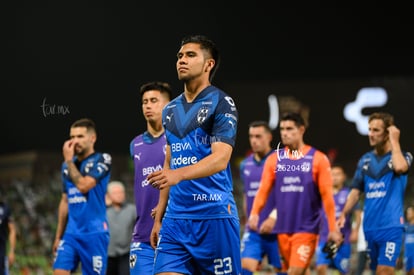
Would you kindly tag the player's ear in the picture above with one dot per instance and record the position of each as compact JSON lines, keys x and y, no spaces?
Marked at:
{"x":93,"y":138}
{"x":210,"y":64}
{"x":386,"y":134}
{"x":302,"y":129}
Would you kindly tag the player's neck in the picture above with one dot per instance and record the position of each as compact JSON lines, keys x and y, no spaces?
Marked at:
{"x":155,"y":129}
{"x":85,"y":154}
{"x":298,"y":147}
{"x":193,"y":88}
{"x":382,"y":149}
{"x":155,"y":132}
{"x":260,"y":155}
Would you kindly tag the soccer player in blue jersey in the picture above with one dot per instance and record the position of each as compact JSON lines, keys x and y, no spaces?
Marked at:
{"x":409,"y":240}
{"x":82,"y":233}
{"x":147,"y":151}
{"x":256,"y":245}
{"x":200,"y":232}
{"x":381,"y":175}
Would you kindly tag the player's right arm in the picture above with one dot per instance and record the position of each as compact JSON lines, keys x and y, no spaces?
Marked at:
{"x":266,"y":183}
{"x":83,"y":183}
{"x":209,"y":165}
{"x":62,"y":220}
{"x":357,"y":187}
{"x":159,"y":214}
{"x":351,"y":201}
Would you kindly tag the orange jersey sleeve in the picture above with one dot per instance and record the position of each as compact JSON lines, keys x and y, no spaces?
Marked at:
{"x":266,"y":183}
{"x":322,"y":176}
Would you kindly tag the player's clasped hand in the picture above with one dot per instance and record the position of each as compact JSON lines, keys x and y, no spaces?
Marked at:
{"x":330,"y":248}
{"x":253,"y":222}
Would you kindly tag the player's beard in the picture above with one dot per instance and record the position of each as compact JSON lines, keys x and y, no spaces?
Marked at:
{"x":79,"y":151}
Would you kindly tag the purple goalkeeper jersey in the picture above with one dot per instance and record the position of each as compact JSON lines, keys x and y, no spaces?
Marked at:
{"x":148,"y":154}
{"x":250,"y":173}
{"x":298,"y":200}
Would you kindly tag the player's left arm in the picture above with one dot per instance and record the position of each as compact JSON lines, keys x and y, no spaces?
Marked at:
{"x":400,"y":162}
{"x":324,"y":181}
{"x":269,"y":223}
{"x":325,"y":185}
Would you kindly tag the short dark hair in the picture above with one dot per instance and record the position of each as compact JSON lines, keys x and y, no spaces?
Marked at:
{"x":163,"y":87}
{"x":295,"y":117}
{"x":85,"y":122}
{"x":260,"y":123}
{"x":209,"y":46}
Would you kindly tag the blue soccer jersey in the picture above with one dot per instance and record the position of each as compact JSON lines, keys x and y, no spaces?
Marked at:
{"x":191,"y":128}
{"x":384,"y":191}
{"x":87,"y":212}
{"x":86,"y":236}
{"x":200,"y":232}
